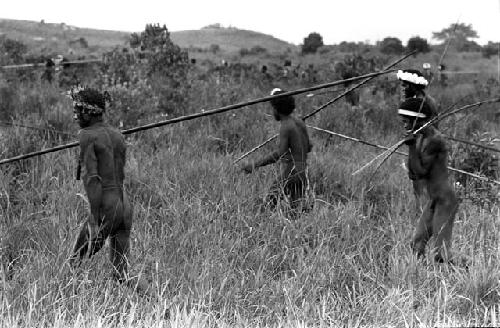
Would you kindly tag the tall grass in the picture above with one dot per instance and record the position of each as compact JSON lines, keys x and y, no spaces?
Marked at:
{"x":213,"y":257}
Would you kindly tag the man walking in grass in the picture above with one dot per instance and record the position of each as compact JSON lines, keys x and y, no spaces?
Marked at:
{"x":428,"y":160}
{"x":294,"y":145}
{"x":102,"y":158}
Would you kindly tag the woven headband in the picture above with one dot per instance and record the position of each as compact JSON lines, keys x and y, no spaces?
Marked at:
{"x":406,"y":112}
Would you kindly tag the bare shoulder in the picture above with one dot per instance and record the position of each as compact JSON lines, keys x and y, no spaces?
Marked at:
{"x":300,"y":122}
{"x":116,"y":132}
{"x":287,"y":126}
{"x":87,"y":136}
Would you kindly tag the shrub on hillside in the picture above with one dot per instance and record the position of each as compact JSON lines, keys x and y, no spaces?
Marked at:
{"x":11,"y":51}
{"x":214,"y":48}
{"x":312,"y":43}
{"x":165,"y":67}
{"x":391,"y":46}
{"x":419,"y":44}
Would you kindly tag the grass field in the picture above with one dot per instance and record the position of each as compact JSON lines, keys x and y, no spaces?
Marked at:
{"x":212,"y":257}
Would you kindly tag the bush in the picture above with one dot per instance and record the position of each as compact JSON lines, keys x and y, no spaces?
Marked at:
{"x":490,"y":49}
{"x":214,"y":48}
{"x":417,"y":43}
{"x":11,"y":51}
{"x":311,"y":43}
{"x":391,"y":46}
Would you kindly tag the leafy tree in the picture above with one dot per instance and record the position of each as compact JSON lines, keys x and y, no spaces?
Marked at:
{"x":166,"y":66}
{"x":391,"y":46}
{"x":459,"y":35}
{"x":491,"y":49}
{"x":417,"y":43}
{"x":311,"y":43}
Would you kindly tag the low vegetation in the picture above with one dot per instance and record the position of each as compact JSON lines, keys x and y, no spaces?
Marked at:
{"x":210,"y":255}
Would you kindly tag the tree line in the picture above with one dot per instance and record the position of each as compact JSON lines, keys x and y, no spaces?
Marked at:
{"x":460,"y":35}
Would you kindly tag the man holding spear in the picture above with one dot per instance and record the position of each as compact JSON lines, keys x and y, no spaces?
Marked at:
{"x":413,"y":84}
{"x":294,"y":145}
{"x":428,"y":156}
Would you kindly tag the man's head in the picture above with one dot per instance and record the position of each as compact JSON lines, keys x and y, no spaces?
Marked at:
{"x":282,"y":106}
{"x":412,"y":82}
{"x":414,"y":113}
{"x":88,"y":104}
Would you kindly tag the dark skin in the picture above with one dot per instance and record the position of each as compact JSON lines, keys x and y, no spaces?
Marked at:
{"x":294,"y":145}
{"x":410,"y":90}
{"x":428,"y":156}
{"x":102,"y":157}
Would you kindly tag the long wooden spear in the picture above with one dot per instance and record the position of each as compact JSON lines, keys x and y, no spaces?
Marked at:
{"x":399,"y":153}
{"x":201,"y":114}
{"x":317,"y":110}
{"x":435,"y":119}
{"x":43,"y":64}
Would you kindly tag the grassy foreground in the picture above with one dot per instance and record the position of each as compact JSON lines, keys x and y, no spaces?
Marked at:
{"x":212,"y":258}
{"x":209,"y":254}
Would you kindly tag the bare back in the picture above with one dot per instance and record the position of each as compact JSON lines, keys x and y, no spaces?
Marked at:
{"x":103,"y":154}
{"x":294,"y":139}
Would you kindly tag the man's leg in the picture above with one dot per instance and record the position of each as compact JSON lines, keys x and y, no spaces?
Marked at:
{"x":120,"y":239}
{"x":86,"y":241}
{"x":274,"y":195}
{"x":119,"y":247}
{"x":442,"y":225}
{"x":419,"y":192}
{"x":423,"y":230}
{"x":295,"y":190}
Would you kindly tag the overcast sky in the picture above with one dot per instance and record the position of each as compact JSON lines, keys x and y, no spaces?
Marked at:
{"x":335,"y":20}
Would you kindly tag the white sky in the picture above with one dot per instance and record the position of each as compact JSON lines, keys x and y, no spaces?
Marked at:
{"x":335,"y":20}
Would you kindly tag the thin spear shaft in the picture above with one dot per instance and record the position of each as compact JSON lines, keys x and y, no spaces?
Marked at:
{"x":386,"y":69}
{"x":202,"y":114}
{"x":317,"y":110}
{"x":255,"y":148}
{"x":399,"y":153}
{"x":43,"y":64}
{"x":473,"y":144}
{"x":428,"y":123}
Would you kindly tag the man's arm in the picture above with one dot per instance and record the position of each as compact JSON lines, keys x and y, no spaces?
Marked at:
{"x":274,"y":156}
{"x":421,"y":165}
{"x":93,"y":181}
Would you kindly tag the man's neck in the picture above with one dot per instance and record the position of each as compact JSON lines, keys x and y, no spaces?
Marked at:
{"x":284,"y":118}
{"x":95,"y":120}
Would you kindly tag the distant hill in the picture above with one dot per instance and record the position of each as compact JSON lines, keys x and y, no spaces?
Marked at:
{"x":51,"y":37}
{"x":229,"y":39}
{"x":59,"y":37}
